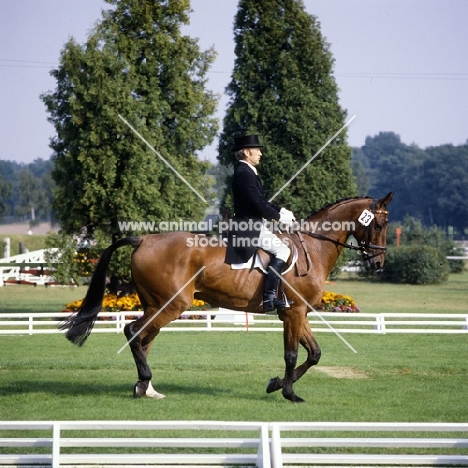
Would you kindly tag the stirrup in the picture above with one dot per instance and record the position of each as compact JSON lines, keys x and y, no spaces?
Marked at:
{"x":270,"y":305}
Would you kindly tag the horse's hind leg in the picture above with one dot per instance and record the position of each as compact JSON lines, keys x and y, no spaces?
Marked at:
{"x":140,"y":340}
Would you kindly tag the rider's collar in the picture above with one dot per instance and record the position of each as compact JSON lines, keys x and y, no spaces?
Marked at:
{"x":250,"y":165}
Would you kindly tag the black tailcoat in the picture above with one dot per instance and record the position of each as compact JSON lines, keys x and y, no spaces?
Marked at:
{"x":250,"y":204}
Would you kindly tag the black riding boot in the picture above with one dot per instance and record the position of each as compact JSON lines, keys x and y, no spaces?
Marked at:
{"x":270,"y":288}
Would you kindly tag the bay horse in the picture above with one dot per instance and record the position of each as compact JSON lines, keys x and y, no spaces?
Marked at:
{"x":170,"y":269}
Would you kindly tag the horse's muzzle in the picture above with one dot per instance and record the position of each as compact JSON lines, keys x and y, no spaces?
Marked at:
{"x":371,"y":264}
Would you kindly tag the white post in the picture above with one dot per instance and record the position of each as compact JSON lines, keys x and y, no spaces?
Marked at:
{"x":31,"y":325}
{"x":119,"y":320}
{"x":6,"y":247}
{"x":263,"y":452}
{"x":275,"y":448}
{"x":56,"y":446}
{"x":379,"y":323}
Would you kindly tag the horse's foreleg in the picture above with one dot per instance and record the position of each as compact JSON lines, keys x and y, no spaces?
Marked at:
{"x":308,"y":341}
{"x":140,"y":345}
{"x":291,"y":336}
{"x":290,"y":359}
{"x":314,"y":353}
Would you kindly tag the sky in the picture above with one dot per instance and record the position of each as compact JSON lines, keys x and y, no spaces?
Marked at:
{"x":400,"y":65}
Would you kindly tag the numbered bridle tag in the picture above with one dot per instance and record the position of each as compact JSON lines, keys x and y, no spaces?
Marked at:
{"x":366,"y":217}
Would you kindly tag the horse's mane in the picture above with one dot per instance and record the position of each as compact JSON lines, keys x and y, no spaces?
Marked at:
{"x":329,"y":205}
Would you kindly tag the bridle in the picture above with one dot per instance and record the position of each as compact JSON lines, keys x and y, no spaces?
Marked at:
{"x":365,"y":241}
{"x":364,"y":245}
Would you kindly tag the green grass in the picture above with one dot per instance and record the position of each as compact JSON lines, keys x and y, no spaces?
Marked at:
{"x":216,"y":375}
{"x":223,"y":376}
{"x":375,"y":297}
{"x":27,"y":298}
{"x":31,"y":242}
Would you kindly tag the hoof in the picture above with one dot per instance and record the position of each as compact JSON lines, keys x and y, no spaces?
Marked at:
{"x":274,"y":385}
{"x":293,"y":398}
{"x":140,"y":388}
{"x":152,"y":393}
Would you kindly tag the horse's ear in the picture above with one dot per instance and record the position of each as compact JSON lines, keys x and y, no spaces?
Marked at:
{"x":386,"y":200}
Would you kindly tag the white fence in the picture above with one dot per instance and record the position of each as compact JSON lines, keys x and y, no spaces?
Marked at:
{"x":389,"y":451}
{"x":265,"y":446}
{"x":28,"y":268}
{"x":229,"y":320}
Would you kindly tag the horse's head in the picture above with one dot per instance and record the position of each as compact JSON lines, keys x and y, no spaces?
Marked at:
{"x":371,"y":232}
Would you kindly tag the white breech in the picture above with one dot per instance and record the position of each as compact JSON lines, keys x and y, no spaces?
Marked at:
{"x":273,"y":244}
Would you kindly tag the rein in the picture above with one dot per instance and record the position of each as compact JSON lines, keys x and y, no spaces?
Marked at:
{"x":365,"y":244}
{"x":361,"y":248}
{"x":334,"y":241}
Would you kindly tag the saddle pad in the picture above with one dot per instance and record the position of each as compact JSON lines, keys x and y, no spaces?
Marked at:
{"x":259,"y":264}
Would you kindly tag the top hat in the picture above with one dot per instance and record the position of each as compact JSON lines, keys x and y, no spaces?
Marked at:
{"x":246,"y":141}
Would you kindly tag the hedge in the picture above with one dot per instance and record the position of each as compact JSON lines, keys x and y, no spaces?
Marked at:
{"x":415,"y":264}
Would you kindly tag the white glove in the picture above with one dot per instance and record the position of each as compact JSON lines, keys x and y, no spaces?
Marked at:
{"x":286,"y":217}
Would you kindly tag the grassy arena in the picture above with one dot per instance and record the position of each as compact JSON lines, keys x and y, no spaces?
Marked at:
{"x":220,"y":376}
{"x":223,"y":376}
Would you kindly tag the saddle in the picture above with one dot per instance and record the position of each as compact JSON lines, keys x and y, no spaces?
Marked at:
{"x":300,"y":259}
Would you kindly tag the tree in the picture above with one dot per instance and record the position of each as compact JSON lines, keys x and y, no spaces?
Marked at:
{"x":430,"y":185}
{"x":29,"y":195}
{"x":220,"y":174}
{"x":283,"y":89}
{"x":9,"y":172}
{"x":29,"y":190}
{"x":361,"y":178}
{"x":136,"y":64}
{"x":393,"y":166}
{"x":6,"y":190}
{"x":446,"y":185}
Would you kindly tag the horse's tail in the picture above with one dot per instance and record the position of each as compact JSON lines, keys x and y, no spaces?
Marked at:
{"x":80,"y":324}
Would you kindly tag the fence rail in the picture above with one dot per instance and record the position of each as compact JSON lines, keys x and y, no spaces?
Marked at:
{"x":229,"y":320}
{"x":27,"y":268}
{"x":392,"y":451}
{"x":262,"y":444}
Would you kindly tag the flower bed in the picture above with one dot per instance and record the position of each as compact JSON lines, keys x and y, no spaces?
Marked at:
{"x":331,"y":302}
{"x":112,"y":303}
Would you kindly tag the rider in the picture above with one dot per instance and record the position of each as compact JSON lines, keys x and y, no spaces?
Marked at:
{"x":251,"y":209}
